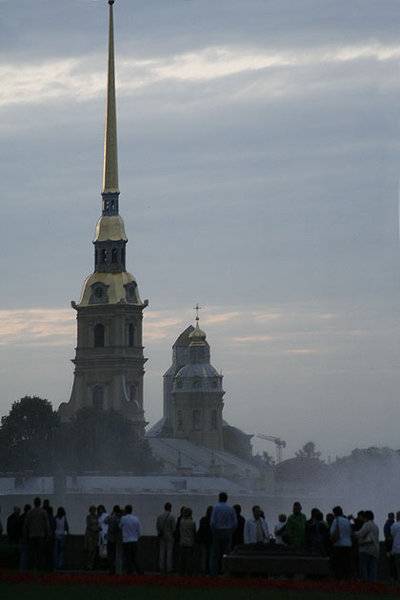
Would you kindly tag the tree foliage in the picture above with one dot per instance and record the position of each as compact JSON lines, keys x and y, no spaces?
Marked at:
{"x":33,"y":440}
{"x":27,"y":436}
{"x":308,"y":451}
{"x":105,"y":441}
{"x":264,"y":460}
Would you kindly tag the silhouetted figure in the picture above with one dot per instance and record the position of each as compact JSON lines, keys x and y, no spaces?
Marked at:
{"x":280,"y":530}
{"x":23,"y":540}
{"x":223,"y":524}
{"x":187,"y":538}
{"x":256,"y":529}
{"x":368,"y":547}
{"x":389,"y":544}
{"x":38,"y":532}
{"x":131,"y":532}
{"x":317,"y":534}
{"x":296,"y":527}
{"x":91,"y":537}
{"x":61,"y":530}
{"x":114,"y":539}
{"x":176,"y":534}
{"x":357,"y":523}
{"x":49,"y":545}
{"x":165,"y":526}
{"x":238,"y":534}
{"x":13,"y":526}
{"x":341,"y":555}
{"x":395,"y":533}
{"x":204,"y":539}
{"x":329,"y":518}
{"x":102,"y":517}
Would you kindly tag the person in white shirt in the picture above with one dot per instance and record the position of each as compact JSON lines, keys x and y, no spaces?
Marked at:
{"x":368,"y":548}
{"x":340,"y":533}
{"x":395,"y":533}
{"x":61,"y":529}
{"x":102,"y":517}
{"x":256,"y":529}
{"x":131,"y":532}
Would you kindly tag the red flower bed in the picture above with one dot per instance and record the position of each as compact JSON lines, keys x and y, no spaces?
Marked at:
{"x":328,"y":586}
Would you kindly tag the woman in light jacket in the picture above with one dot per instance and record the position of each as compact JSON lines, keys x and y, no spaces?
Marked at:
{"x":61,"y":529}
{"x":256,"y":529}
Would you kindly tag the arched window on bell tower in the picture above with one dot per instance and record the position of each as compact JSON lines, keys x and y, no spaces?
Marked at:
{"x":99,"y":335}
{"x":114,"y":256}
{"x":131,"y":335}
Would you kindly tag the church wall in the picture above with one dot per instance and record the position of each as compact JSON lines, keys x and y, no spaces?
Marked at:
{"x":193,"y":418}
{"x":114,"y":371}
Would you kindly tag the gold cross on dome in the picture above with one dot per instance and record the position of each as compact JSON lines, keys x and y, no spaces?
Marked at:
{"x":197,"y":308}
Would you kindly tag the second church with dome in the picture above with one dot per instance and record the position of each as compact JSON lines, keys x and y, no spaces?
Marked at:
{"x":193,"y":394}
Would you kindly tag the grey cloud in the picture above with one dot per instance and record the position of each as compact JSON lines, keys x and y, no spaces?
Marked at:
{"x":158,"y":26}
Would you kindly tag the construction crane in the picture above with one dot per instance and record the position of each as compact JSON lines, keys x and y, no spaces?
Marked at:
{"x":279,"y":444}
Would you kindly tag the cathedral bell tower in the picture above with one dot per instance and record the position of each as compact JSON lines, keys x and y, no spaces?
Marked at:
{"x":109,"y":361}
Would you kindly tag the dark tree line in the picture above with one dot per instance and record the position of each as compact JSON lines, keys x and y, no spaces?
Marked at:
{"x":34,"y":440}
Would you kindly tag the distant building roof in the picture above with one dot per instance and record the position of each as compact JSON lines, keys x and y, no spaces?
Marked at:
{"x":183,"y":339}
{"x":183,"y":454}
{"x":236,"y":431}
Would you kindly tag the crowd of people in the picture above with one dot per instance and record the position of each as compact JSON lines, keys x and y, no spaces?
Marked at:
{"x":39,"y":535}
{"x":351,"y":543}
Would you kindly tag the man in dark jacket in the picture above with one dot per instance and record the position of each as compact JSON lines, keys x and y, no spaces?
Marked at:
{"x":389,"y":544}
{"x":114,"y":538}
{"x":204,"y":539}
{"x":23,"y":541}
{"x":238,"y":534}
{"x":37,"y":531}
{"x":13,"y":526}
{"x":296,"y":527}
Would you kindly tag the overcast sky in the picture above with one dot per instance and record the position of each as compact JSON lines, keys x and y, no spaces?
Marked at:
{"x":259,"y":153}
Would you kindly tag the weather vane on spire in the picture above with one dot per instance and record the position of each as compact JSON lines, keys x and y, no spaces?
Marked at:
{"x":197,"y":308}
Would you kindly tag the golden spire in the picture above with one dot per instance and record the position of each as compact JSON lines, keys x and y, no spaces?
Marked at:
{"x":110,"y":173}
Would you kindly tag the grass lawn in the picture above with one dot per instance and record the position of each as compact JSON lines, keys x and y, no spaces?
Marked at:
{"x":31,"y":591}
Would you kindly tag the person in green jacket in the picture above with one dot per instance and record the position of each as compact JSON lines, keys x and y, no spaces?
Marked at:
{"x":296,"y":527}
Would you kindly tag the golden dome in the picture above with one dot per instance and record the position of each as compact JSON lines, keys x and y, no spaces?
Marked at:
{"x":197,"y":336}
{"x":110,"y":228}
{"x":117,"y":285}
